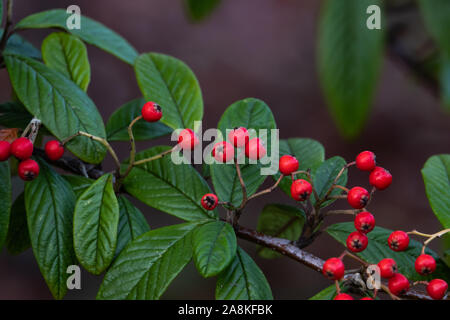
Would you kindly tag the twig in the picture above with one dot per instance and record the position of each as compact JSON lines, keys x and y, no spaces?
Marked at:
{"x":241,"y":181}
{"x":133,"y":146}
{"x":268,"y":190}
{"x":158,"y":156}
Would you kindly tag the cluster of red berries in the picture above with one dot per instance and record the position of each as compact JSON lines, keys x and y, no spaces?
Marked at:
{"x":22,"y":149}
{"x":300,"y":188}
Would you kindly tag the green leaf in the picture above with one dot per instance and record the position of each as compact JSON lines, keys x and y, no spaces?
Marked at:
{"x":445,"y":80}
{"x":214,"y":247}
{"x":1,"y":12}
{"x":62,"y":106}
{"x":146,"y":267}
{"x":200,"y":9}
{"x":49,"y":202}
{"x":170,"y":83}
{"x":18,"y":45}
{"x":378,"y":249}
{"x":242,"y":280}
{"x":67,"y":54}
{"x":90,"y":31}
{"x":18,"y":239}
{"x":14,"y":115}
{"x":349,"y":57}
{"x":252,"y":114}
{"x":117,"y":125}
{"x":324,"y":177}
{"x":132,"y":223}
{"x":5,"y":200}
{"x":95,"y":222}
{"x":79,"y":184}
{"x":326,"y":294}
{"x":436,"y":15}
{"x":174,"y":189}
{"x":281,"y":221}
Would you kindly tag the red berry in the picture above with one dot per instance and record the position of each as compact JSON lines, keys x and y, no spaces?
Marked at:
{"x":364,"y":222}
{"x":238,"y":137}
{"x":187,"y":139}
{"x":22,"y":148}
{"x":357,"y":241}
{"x":28,"y":170}
{"x":366,"y":298}
{"x":255,"y":149}
{"x":358,"y":197}
{"x":398,"y":240}
{"x":223,"y":151}
{"x":333,"y":269}
{"x":380,"y":178}
{"x":209,"y":201}
{"x":5,"y":150}
{"x":343,"y":296}
{"x":151,"y":112}
{"x":398,"y":284}
{"x":365,"y":161}
{"x":288,"y":164}
{"x":388,"y":267}
{"x":425,"y":264}
{"x":300,"y":189}
{"x":437,"y":288}
{"x":54,"y":150}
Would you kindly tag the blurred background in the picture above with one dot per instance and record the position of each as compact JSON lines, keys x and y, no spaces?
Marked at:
{"x":264,"y":49}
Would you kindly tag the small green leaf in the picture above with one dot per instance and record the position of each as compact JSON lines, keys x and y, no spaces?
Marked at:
{"x":5,"y":200}
{"x":18,"y":239}
{"x":95,"y":222}
{"x":214,"y":247}
{"x":242,"y":280}
{"x":90,"y":31}
{"x":326,"y":294}
{"x":79,"y":184}
{"x":200,"y":9}
{"x":67,"y":54}
{"x":18,"y":45}
{"x":14,"y":115}
{"x":117,"y":126}
{"x":281,"y":221}
{"x":325,"y":175}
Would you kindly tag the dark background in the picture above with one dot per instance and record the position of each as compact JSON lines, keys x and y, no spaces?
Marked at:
{"x":263,"y":49}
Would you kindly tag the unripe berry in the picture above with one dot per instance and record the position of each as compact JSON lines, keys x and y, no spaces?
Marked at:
{"x":357,"y":241}
{"x":365,"y":161}
{"x":28,"y":170}
{"x":288,"y":164}
{"x":398,"y":284}
{"x":5,"y":150}
{"x":255,"y":149}
{"x":209,"y":201}
{"x":223,"y":151}
{"x":364,"y":222}
{"x":187,"y":139}
{"x":388,"y":267}
{"x":238,"y":137}
{"x":54,"y":150}
{"x":151,"y":112}
{"x":366,"y":298}
{"x":380,"y":178}
{"x":333,"y":269}
{"x":22,"y":148}
{"x":437,"y":288}
{"x":358,"y":197}
{"x":343,"y":296}
{"x":425,"y":264}
{"x":398,"y":240}
{"x":300,"y":189}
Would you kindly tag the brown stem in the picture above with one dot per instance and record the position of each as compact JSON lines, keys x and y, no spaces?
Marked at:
{"x":268,"y":190}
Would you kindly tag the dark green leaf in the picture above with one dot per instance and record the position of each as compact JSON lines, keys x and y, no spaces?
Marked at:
{"x":326,"y":294}
{"x":14,"y":115}
{"x":90,"y":31}
{"x":436,"y":14}
{"x":79,"y":184}
{"x":325,"y":175}
{"x":117,"y":126}
{"x":18,"y":239}
{"x":214,"y":247}
{"x":445,"y":80}
{"x":200,"y":9}
{"x":18,"y":45}
{"x":95,"y":222}
{"x":5,"y":200}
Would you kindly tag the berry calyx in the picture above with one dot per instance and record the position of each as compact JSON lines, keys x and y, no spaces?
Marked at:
{"x":343,"y":296}
{"x":357,"y":241}
{"x":358,"y":197}
{"x":380,"y":178}
{"x":288,"y":164}
{"x":187,"y":140}
{"x":398,"y":284}
{"x":223,"y":151}
{"x":364,"y":222}
{"x":151,"y":112}
{"x":366,"y":298}
{"x":300,"y":189}
{"x":255,"y":149}
{"x":333,"y":269}
{"x":5,"y":150}
{"x":365,"y":161}
{"x":437,"y":288}
{"x":398,"y":240}
{"x":209,"y":201}
{"x":425,"y":264}
{"x":388,"y":267}
{"x":54,"y":150}
{"x":239,"y":137}
{"x":22,"y":148}
{"x":28,"y":170}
